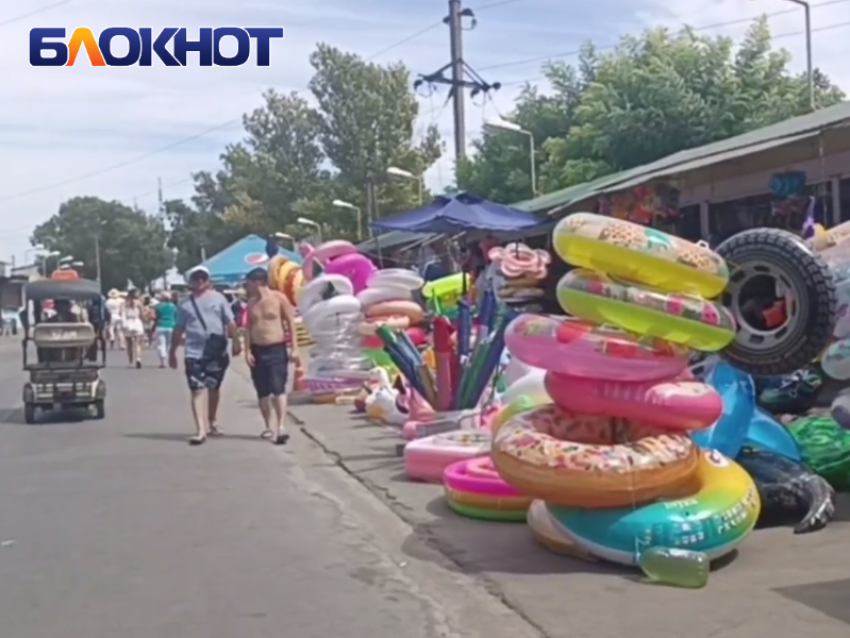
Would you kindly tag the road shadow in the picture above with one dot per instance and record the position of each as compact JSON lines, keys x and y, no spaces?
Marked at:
{"x":59,"y":417}
{"x":829,"y":598}
{"x":174,"y":436}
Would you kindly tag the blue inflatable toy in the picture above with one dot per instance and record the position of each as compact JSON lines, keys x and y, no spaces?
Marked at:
{"x":742,"y":421}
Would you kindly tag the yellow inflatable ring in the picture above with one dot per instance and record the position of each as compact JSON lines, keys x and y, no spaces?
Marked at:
{"x":644,"y":255}
{"x":274,"y":266}
{"x":681,"y":319}
{"x":565,"y":459}
{"x":409,"y":309}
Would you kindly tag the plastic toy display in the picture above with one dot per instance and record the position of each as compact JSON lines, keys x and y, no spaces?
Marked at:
{"x":331,"y":314}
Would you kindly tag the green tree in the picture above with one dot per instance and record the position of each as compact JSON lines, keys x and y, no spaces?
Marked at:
{"x":367,"y":115}
{"x":296,"y":160}
{"x":652,"y":96}
{"x":132,"y":244}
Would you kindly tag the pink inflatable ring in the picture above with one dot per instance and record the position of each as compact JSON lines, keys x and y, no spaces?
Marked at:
{"x":673,"y":405}
{"x":581,"y":349}
{"x":474,"y":489}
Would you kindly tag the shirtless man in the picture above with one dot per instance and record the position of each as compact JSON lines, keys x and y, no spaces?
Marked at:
{"x":270,"y":318}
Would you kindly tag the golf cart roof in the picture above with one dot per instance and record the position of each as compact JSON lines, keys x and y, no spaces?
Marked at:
{"x":73,"y":289}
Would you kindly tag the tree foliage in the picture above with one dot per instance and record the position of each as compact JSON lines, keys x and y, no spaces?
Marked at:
{"x":132,"y":244}
{"x":652,"y":96}
{"x":296,"y":159}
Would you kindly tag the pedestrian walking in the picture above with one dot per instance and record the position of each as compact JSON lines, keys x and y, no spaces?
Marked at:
{"x":115,"y":309}
{"x":270,"y":320}
{"x":204,"y":324}
{"x":133,"y":327}
{"x":166,"y":318}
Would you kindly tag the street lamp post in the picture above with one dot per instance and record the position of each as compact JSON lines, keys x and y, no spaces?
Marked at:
{"x":400,"y":172}
{"x":304,"y":221}
{"x":349,"y":206}
{"x":810,"y":71}
{"x":499,"y":124}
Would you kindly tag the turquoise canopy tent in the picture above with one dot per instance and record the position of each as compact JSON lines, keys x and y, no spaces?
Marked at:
{"x":229,"y":267}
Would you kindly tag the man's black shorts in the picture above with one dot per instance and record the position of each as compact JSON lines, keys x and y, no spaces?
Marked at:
{"x":271,"y":369}
{"x":205,"y":374}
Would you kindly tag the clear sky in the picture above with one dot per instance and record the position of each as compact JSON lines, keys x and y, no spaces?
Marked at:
{"x":111,"y":132}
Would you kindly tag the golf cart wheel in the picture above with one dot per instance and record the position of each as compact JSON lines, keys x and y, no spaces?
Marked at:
{"x":29,"y":413}
{"x":768,"y":265}
{"x":99,"y":410}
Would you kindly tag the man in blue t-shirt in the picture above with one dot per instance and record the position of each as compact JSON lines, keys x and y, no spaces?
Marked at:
{"x":204,"y":324}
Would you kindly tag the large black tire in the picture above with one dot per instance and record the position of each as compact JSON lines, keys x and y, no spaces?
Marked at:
{"x":29,"y":414}
{"x":99,"y":409}
{"x":804,"y":278}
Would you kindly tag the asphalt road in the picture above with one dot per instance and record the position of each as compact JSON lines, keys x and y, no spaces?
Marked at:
{"x":118,"y":528}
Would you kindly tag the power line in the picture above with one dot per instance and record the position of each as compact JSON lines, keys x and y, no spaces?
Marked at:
{"x":829,"y":27}
{"x":708,"y":27}
{"x":35,"y":12}
{"x":398,"y":43}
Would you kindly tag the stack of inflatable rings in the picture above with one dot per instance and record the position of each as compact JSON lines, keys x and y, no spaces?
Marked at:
{"x":612,"y":457}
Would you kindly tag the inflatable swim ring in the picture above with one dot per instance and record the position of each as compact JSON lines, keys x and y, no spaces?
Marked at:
{"x":714,"y":520}
{"x":379,"y":294}
{"x":553,"y":454}
{"x":332,"y":250}
{"x":678,"y":405}
{"x":475,"y":489}
{"x":326,"y":314}
{"x":637,"y":253}
{"x":397,"y":278}
{"x":581,"y":349}
{"x":408,"y":309}
{"x":426,"y":459}
{"x":682,"y":319}
{"x":783,"y":299}
{"x":547,"y":533}
{"x":317,"y":289}
{"x":356,"y":267}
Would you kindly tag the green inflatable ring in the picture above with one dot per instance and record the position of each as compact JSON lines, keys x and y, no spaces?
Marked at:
{"x":503,"y":516}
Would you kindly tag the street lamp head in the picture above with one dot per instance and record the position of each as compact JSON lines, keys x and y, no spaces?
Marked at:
{"x":307,"y":222}
{"x":52,"y":253}
{"x":503,"y":125}
{"x":78,"y":264}
{"x":280,"y":235}
{"x":343,"y":204}
{"x":400,"y":172}
{"x":66,"y":259}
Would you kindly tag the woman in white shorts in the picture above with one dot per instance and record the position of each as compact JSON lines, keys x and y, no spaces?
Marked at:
{"x":115,"y":307}
{"x":134,"y":328}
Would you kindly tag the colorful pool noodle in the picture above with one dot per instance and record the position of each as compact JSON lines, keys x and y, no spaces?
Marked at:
{"x":492,"y":361}
{"x":404,"y":340}
{"x":399,"y":357}
{"x":426,"y":380}
{"x":443,"y":362}
{"x":464,"y":328}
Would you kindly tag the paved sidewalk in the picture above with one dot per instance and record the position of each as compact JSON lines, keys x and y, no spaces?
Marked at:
{"x":117,"y":528}
{"x":780,"y":585}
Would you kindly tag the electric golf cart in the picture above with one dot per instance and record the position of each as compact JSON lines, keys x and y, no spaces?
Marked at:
{"x":64,"y":319}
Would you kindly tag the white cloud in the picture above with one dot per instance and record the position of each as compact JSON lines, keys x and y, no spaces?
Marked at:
{"x":61,"y":129}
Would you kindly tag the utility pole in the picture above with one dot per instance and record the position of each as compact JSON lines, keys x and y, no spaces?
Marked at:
{"x":462,"y":75}
{"x":159,"y":197}
{"x":97,"y":259}
{"x":456,"y":47}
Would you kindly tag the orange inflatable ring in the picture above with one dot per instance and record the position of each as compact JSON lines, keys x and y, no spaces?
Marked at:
{"x":409,"y":309}
{"x":592,"y":462}
{"x":370,"y":327}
